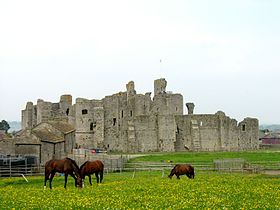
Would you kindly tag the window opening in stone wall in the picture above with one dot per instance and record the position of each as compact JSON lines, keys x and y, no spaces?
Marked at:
{"x":67,"y":111}
{"x":243,"y":127}
{"x":91,"y":126}
{"x":114,"y":121}
{"x":130,"y":113}
{"x":122,"y":113}
{"x":84,"y":111}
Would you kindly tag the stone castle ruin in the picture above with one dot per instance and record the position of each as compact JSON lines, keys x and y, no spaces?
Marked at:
{"x":131,"y":122}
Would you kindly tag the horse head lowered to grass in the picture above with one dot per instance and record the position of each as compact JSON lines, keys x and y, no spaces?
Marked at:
{"x":182,"y":169}
{"x":66,"y":166}
{"x":92,"y":167}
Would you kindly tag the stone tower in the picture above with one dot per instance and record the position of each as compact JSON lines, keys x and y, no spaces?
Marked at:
{"x":65,"y":104}
{"x":160,"y":86}
{"x":190,"y":107}
{"x":27,"y":116}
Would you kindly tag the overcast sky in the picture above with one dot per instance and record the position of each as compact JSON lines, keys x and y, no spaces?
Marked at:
{"x":221,"y":55}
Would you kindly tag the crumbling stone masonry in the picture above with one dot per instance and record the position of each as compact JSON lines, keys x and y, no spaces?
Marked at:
{"x":131,"y":122}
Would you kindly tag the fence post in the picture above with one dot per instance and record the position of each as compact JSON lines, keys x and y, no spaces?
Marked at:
{"x":25,"y":165}
{"x":162,"y":173}
{"x":10,"y":164}
{"x":133,"y":173}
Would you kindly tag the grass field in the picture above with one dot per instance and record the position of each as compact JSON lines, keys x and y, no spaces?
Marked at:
{"x":190,"y":157}
{"x":149,"y":190}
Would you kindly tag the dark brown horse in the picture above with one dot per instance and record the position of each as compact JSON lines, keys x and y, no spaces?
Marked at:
{"x":90,"y":167}
{"x":66,"y":166}
{"x":182,"y":169}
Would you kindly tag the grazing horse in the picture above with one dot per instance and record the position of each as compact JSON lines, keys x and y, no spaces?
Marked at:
{"x":66,"y":166}
{"x":90,"y":167}
{"x":181,"y":169}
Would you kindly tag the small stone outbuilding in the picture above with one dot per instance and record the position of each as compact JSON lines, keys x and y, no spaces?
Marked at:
{"x":47,"y":140}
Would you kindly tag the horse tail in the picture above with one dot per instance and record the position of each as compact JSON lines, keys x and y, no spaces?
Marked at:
{"x":102,"y":166}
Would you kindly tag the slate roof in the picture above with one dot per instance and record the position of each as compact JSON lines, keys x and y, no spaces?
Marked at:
{"x":45,"y":132}
{"x":64,"y":127}
{"x":47,"y":135}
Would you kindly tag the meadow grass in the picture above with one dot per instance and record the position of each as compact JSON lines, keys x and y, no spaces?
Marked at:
{"x":191,"y":157}
{"x":152,"y":190}
{"x":147,"y":190}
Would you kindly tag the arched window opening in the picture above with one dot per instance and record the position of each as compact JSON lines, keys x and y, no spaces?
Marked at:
{"x":67,"y":111}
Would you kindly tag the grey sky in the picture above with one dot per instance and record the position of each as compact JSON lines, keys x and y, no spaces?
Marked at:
{"x":221,"y":55}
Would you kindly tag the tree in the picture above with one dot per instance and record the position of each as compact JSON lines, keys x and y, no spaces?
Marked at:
{"x":4,"y":126}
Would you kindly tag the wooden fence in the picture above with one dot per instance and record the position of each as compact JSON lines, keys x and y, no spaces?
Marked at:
{"x":118,"y":163}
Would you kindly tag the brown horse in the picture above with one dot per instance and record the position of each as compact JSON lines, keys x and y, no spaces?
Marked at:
{"x":66,"y":166}
{"x":90,"y":167}
{"x":181,"y":169}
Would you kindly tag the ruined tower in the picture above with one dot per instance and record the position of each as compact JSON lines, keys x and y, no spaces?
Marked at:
{"x":190,"y":107}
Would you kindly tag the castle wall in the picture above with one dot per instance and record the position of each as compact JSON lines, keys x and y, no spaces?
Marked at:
{"x":27,"y":116}
{"x":215,"y":132}
{"x":44,"y":110}
{"x":131,"y":122}
{"x":166,"y":133}
{"x":142,"y":104}
{"x":89,"y":121}
{"x":197,"y":132}
{"x":65,"y":105}
{"x":112,"y":122}
{"x":183,"y":133}
{"x":146,"y":133}
{"x":72,"y":116}
{"x":210,"y":134}
{"x":170,"y":104}
{"x":248,"y":136}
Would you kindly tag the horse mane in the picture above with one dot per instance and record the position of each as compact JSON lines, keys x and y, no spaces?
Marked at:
{"x":83,"y":164}
{"x":74,"y":162}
